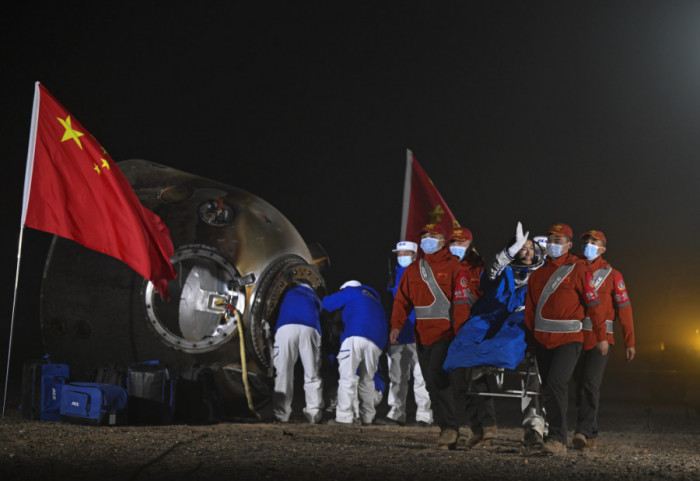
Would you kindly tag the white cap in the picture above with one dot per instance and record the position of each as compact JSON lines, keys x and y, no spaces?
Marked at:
{"x":406,"y":246}
{"x":304,"y":284}
{"x":351,"y":284}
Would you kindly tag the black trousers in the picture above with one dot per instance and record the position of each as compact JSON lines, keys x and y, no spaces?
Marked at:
{"x":437,"y":381}
{"x":556,"y":368}
{"x":588,"y":377}
{"x":476,"y":410}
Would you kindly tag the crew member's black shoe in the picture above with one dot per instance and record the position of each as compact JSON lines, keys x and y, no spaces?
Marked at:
{"x":386,"y":421}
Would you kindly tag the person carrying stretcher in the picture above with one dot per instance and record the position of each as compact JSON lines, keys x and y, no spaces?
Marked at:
{"x":557,"y":302}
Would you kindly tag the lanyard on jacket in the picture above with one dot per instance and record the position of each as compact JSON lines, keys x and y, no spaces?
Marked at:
{"x":599,"y":277}
{"x":440,"y":308}
{"x":555,"y":325}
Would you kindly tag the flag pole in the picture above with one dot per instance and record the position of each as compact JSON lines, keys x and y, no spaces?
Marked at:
{"x":12,"y":320}
{"x":406,"y":194}
{"x":25,"y":202}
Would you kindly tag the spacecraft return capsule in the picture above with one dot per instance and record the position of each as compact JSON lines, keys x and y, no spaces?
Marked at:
{"x":231,"y":249}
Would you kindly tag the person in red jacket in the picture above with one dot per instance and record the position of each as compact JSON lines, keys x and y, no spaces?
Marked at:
{"x":479,"y":410}
{"x":461,"y":244}
{"x":437,"y":287}
{"x":614,"y":302}
{"x":555,"y":307}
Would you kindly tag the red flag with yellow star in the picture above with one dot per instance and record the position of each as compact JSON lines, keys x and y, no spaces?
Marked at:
{"x":74,"y":189}
{"x":422,"y":203}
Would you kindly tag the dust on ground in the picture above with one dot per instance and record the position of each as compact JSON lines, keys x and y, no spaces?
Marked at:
{"x":636,"y":442}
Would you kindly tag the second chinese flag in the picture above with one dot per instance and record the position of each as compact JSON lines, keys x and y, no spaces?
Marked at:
{"x":423,"y":204}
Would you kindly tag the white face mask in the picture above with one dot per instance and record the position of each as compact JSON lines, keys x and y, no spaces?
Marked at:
{"x":554,"y":250}
{"x":590,"y":251}
{"x":404,"y":261}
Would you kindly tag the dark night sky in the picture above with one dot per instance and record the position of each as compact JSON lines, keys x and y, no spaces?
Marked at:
{"x":580,"y":112}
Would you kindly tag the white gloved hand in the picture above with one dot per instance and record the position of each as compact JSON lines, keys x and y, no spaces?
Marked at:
{"x":520,"y":240}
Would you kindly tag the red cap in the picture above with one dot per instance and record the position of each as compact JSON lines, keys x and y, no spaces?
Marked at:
{"x":461,"y":234}
{"x":560,"y":230}
{"x":596,"y":234}
{"x":432,"y":229}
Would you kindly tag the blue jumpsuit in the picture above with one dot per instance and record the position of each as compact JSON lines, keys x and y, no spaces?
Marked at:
{"x":364,"y":337}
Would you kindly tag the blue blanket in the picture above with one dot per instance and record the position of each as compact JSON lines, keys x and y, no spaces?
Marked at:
{"x":493,"y":335}
{"x":505,"y":349}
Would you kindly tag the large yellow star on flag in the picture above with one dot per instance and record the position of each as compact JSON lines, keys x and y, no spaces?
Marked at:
{"x":70,"y":133}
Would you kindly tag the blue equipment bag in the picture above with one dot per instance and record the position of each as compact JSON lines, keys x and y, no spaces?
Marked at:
{"x":93,"y":403}
{"x":53,"y":378}
{"x":151,"y":390}
{"x":41,"y":389}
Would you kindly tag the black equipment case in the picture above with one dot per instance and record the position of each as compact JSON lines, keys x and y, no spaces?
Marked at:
{"x":151,"y":389}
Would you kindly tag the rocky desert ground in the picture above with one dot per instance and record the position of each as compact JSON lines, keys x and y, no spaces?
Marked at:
{"x":637,"y":441}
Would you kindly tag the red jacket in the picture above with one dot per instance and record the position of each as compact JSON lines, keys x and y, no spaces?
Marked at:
{"x":473,"y":266}
{"x":414,"y":292}
{"x":568,"y":301}
{"x":614,"y":302}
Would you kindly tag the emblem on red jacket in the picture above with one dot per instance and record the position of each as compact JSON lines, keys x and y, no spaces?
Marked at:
{"x":442,"y":275}
{"x":621,"y":285}
{"x":463,"y":282}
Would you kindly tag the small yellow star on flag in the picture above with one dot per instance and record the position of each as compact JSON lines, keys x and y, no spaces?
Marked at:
{"x":97,"y":169}
{"x":436,"y":213}
{"x":70,"y":133}
{"x":105,"y":164}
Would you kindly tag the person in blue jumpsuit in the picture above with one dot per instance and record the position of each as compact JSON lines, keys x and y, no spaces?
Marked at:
{"x":298,"y":336}
{"x":362,"y":341}
{"x":494,"y":335}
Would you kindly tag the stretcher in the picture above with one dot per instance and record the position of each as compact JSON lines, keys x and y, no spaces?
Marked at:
{"x":521,"y":382}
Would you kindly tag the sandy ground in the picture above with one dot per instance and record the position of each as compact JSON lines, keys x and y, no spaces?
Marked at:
{"x":637,"y":441}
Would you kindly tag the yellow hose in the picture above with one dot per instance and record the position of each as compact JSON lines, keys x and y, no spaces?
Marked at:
{"x":244,"y":366}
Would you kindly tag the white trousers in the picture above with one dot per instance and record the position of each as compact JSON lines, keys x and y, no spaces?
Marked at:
{"x":403,"y":361}
{"x":357,"y":355}
{"x":378,"y":396}
{"x":294,"y":341}
{"x":333,"y":402}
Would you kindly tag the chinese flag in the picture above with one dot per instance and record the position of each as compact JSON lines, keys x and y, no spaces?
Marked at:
{"x":73,"y":189}
{"x":422,"y":203}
